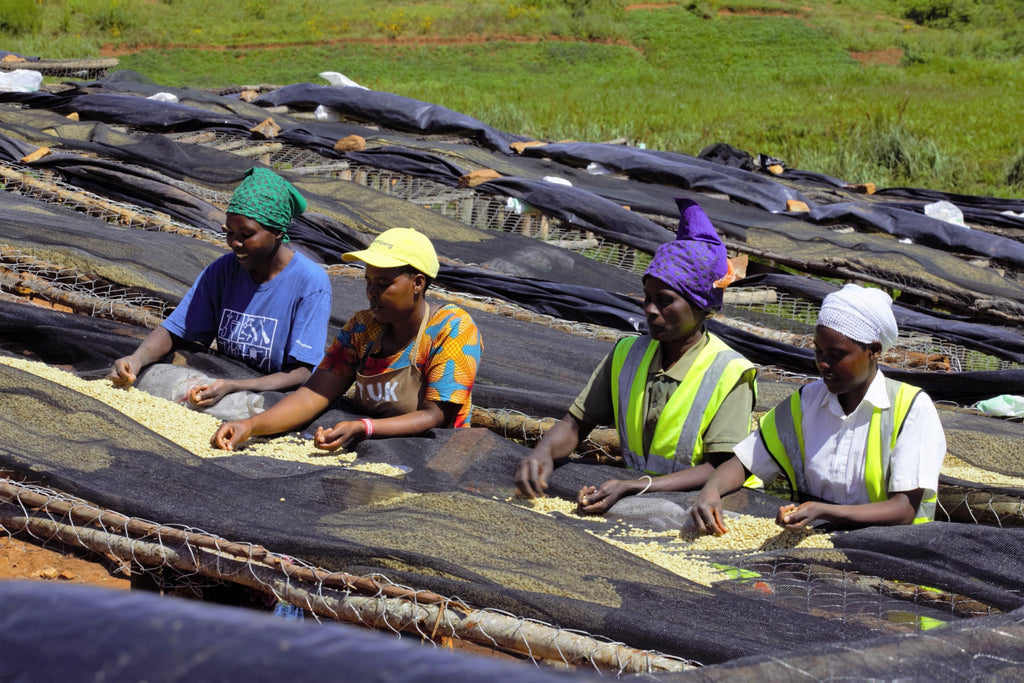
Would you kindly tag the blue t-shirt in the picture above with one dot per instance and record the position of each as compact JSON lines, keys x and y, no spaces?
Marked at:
{"x":266,"y":326}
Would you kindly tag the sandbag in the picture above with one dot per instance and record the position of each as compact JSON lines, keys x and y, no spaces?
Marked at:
{"x":173,"y":382}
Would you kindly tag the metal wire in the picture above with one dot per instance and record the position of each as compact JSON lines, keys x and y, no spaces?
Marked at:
{"x":99,"y":297}
{"x":171,"y":578}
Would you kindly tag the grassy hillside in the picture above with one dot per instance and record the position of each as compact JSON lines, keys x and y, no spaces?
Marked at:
{"x":903,"y":92}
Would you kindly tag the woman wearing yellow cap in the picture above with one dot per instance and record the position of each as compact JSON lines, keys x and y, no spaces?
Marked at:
{"x":412,"y":363}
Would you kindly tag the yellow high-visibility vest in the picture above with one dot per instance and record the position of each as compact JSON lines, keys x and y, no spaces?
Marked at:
{"x":783,"y":435}
{"x":678,"y":440}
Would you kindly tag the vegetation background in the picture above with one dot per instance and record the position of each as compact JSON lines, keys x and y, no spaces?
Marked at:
{"x":923,"y":93}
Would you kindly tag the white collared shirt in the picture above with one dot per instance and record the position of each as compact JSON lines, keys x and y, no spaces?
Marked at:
{"x":835,"y":446}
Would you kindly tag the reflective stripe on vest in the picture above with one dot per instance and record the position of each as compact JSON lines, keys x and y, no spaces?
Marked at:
{"x":678,"y":440}
{"x":782,"y":434}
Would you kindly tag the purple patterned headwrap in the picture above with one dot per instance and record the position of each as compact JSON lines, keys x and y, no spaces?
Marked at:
{"x":695,"y":261}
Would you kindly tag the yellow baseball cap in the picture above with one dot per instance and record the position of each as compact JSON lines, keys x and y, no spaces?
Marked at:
{"x":399,"y":247}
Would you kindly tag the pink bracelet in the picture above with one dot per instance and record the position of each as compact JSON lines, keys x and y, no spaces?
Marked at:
{"x":368,"y":426}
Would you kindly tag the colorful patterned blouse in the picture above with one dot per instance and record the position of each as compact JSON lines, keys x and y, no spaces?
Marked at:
{"x":449,"y":362}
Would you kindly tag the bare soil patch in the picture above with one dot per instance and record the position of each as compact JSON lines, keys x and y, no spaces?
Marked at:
{"x":21,"y":558}
{"x":891,"y":56}
{"x":765,"y":12}
{"x":650,"y":5}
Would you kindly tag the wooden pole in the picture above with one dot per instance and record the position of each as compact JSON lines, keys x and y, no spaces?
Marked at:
{"x":91,"y":204}
{"x":431,"y":620}
{"x":509,"y":423}
{"x":30,"y":285}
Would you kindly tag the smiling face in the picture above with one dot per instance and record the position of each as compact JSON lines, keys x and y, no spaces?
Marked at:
{"x":393,"y":293}
{"x":670,"y":317}
{"x":846,"y":366}
{"x":253,"y":245}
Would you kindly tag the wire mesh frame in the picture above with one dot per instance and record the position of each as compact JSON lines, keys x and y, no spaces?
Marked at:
{"x":480,"y":210}
{"x":921,"y":350}
{"x":976,"y":505}
{"x":62,"y":193}
{"x":815,"y":588}
{"x":501,"y":214}
{"x":100,"y":292}
{"x":491,"y":212}
{"x":34,"y":502}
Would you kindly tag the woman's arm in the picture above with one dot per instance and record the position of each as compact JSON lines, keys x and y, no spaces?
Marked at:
{"x":429,"y":416}
{"x":155,"y":346}
{"x":294,"y":410}
{"x":900,"y":508}
{"x":597,"y":499}
{"x":208,"y":394}
{"x":707,"y":508}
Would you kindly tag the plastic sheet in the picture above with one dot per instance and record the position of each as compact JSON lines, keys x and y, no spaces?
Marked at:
{"x":135,"y":635}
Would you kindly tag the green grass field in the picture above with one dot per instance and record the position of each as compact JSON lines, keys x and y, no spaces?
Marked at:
{"x":906,"y":92}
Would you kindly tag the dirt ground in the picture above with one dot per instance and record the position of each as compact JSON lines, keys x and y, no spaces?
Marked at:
{"x":23,"y":559}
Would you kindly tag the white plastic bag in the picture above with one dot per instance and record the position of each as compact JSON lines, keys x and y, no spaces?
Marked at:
{"x":945,"y":211}
{"x":555,"y":180}
{"x":1006,"y":405}
{"x":20,"y":80}
{"x":163,"y":97}
{"x":517,"y":206}
{"x":322,"y":113}
{"x":172,"y":382}
{"x":335,"y":78}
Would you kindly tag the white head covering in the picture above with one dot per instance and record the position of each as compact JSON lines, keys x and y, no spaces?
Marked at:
{"x":862,"y":314}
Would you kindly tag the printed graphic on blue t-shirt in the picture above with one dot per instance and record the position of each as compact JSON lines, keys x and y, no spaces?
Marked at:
{"x":247,"y":337}
{"x":264,"y":325}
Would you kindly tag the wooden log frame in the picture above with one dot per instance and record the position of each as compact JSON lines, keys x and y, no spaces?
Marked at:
{"x":94,"y":205}
{"x":507,"y":309}
{"x":365,"y":600}
{"x":507,"y":423}
{"x":85,"y":68}
{"x":977,"y":506}
{"x":76,"y":298}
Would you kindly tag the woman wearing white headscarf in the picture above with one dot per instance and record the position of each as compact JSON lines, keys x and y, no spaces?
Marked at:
{"x":857,"y":448}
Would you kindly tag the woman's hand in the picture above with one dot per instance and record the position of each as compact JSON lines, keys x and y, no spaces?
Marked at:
{"x":533,"y":474}
{"x":596,"y":500}
{"x":231,"y":434}
{"x":203,"y":395}
{"x":707,"y":513}
{"x":124,"y":371}
{"x":795,"y":517}
{"x":336,"y":437}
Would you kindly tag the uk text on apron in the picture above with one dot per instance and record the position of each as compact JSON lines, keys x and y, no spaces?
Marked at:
{"x":392,"y":392}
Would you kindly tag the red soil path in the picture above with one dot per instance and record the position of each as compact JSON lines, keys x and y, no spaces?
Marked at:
{"x":121,"y":49}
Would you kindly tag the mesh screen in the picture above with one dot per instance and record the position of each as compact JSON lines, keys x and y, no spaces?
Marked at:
{"x":139,"y":203}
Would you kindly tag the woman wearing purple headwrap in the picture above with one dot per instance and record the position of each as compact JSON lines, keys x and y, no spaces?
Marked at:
{"x":679,"y":397}
{"x":857,"y":448}
{"x":264,"y":304}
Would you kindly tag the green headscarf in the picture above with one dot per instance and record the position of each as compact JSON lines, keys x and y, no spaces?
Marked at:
{"x":268,"y":199}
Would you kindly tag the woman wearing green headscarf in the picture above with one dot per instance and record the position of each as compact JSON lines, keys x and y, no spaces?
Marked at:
{"x":264,"y":304}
